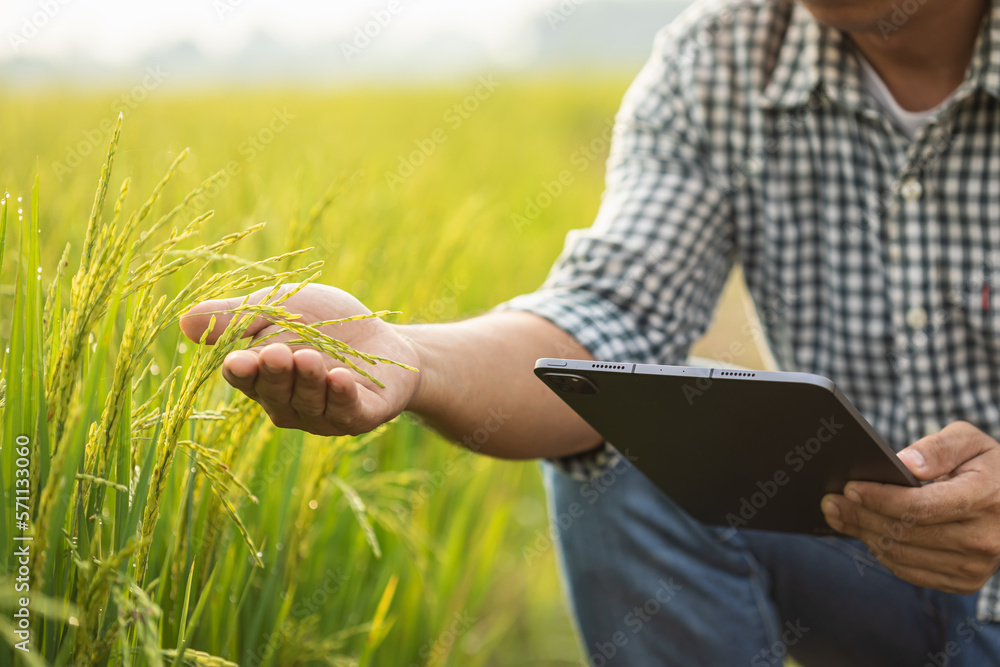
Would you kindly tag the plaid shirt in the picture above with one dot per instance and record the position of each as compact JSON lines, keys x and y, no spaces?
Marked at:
{"x":872,"y":259}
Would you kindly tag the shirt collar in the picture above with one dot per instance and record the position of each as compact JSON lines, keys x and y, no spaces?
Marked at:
{"x":984,"y":70}
{"x":813,"y":57}
{"x":796,"y":70}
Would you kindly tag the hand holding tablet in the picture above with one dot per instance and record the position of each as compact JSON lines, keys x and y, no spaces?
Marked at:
{"x":736,"y":448}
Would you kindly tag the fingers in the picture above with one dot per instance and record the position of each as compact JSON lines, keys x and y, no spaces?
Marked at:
{"x":275,"y":383}
{"x":932,"y":556}
{"x":342,"y":384}
{"x":953,"y":581}
{"x":943,"y":535}
{"x":952,"y":570}
{"x":345,"y":406}
{"x":863,"y":523}
{"x":968,"y":493}
{"x":240,"y":370}
{"x":309,"y":389}
{"x":195,"y":321}
{"x":926,"y":505}
{"x":296,"y":391}
{"x":940,"y":453}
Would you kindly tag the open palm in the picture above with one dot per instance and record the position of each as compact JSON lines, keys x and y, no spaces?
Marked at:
{"x":300,"y":387}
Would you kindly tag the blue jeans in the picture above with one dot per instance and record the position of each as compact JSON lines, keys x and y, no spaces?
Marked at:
{"x":649,"y":585}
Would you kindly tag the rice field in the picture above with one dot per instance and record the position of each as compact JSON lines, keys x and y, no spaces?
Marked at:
{"x":170,"y":523}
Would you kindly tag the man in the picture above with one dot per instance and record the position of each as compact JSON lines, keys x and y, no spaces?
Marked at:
{"x":848,"y":152}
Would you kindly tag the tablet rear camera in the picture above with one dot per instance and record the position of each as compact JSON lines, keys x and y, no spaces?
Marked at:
{"x":571,"y":384}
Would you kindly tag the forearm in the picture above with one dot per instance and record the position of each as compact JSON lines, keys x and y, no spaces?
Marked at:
{"x":477,"y":386}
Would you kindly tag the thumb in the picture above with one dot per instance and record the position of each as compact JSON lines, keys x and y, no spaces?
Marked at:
{"x":195,"y":321}
{"x":941,"y":453}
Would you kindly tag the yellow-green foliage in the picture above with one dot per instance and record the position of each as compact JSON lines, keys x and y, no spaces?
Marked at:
{"x":174,"y":524}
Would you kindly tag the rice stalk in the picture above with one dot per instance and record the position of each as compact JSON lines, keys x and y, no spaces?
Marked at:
{"x":138,"y":338}
{"x":297,"y":233}
{"x":93,"y":390}
{"x":206,"y":362}
{"x":221,"y":490}
{"x":216,"y":469}
{"x":313,"y":336}
{"x":198,"y":658}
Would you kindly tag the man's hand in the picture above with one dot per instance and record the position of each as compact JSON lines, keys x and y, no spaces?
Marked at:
{"x":475,"y":383}
{"x":944,"y":535}
{"x":303,"y":388}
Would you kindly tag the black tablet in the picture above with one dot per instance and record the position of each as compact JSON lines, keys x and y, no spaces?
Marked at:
{"x":737,"y":448}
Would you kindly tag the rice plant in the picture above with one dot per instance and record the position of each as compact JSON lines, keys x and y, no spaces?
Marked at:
{"x":463,"y":538}
{"x":124,"y":480}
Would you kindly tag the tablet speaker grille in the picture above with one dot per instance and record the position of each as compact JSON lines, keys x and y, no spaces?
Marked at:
{"x":610,"y":367}
{"x":736,"y":374}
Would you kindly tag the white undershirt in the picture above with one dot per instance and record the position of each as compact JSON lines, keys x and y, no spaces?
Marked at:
{"x":907,"y":121}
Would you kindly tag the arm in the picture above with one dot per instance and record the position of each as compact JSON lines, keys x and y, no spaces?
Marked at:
{"x":640,"y":285}
{"x":475,"y":382}
{"x":478,"y":375}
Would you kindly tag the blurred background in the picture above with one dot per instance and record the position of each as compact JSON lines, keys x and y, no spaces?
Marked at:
{"x":311,"y":42}
{"x":436,"y":128}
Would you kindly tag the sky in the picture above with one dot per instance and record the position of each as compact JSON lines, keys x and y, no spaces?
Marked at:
{"x":116,"y":31}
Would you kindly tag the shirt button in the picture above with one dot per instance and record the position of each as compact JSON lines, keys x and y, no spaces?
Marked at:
{"x":916,"y":317}
{"x":911,"y":190}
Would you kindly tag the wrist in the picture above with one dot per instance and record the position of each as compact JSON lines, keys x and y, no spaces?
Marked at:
{"x":414,"y":336}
